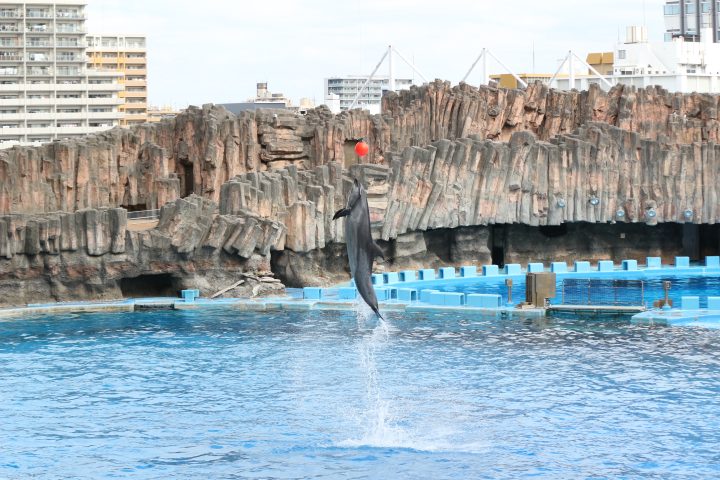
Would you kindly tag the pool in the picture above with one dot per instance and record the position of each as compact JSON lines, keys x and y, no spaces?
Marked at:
{"x":228,"y":394}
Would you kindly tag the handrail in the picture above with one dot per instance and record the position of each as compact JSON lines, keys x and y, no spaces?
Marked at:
{"x":144,"y":214}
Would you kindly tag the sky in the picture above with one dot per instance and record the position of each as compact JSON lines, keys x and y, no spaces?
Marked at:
{"x":215,"y":51}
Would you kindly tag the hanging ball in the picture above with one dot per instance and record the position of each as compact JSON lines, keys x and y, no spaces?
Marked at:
{"x":362,"y":148}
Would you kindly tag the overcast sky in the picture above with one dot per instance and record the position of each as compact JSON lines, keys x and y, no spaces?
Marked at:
{"x":214,"y":51}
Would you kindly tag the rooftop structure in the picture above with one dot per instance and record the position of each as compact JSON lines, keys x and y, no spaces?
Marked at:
{"x":46,"y":91}
{"x":126,"y":55}
{"x":347,"y":88}
{"x":687,"y":19}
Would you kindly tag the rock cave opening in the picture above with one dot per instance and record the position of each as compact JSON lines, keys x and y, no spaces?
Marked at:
{"x":187,"y":179}
{"x":709,"y":240}
{"x":154,"y":285}
{"x":135,"y":208}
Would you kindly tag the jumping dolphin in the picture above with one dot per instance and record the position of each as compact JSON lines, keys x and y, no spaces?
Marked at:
{"x":361,"y":248}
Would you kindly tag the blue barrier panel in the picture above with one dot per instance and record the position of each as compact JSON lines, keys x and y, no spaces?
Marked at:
{"x":629,"y":265}
{"x":468,"y":271}
{"x":682,"y":262}
{"x":312,"y":293}
{"x":425,"y":295}
{"x":427,"y":274}
{"x":347,"y":293}
{"x":712,"y":262}
{"x":490,"y":271}
{"x":407,"y":294}
{"x":690,"y":302}
{"x":558,"y":267}
{"x":378,"y":279}
{"x":713,"y":303}
{"x":447,"y":272}
{"x":454,"y":299}
{"x":437,"y":298}
{"x":188,"y":295}
{"x":535,"y":268}
{"x":513,"y":269}
{"x":606,"y":266}
{"x":391,"y":277}
{"x":653,"y":262}
{"x":386,"y":293}
{"x":582,"y":266}
{"x":483,"y":300}
{"x":408,"y":276}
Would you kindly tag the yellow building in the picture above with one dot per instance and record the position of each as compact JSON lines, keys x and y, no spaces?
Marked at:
{"x":127,"y":55}
{"x":156,"y":114}
{"x":506,"y":80}
{"x":602,"y":62}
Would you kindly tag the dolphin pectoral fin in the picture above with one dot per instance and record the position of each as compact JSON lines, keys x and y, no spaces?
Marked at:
{"x":341,"y":213}
{"x":377,"y":251}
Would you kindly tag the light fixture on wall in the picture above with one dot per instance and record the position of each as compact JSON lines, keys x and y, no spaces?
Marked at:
{"x":561,"y":203}
{"x":594,"y":201}
{"x":688,"y":213}
{"x":651,"y":213}
{"x":620,"y":213}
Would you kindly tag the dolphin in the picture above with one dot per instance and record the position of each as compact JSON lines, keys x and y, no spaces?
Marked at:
{"x":361,"y":248}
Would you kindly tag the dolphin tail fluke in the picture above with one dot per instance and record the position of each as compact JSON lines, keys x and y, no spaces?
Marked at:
{"x":343,"y":212}
{"x":377,"y":312}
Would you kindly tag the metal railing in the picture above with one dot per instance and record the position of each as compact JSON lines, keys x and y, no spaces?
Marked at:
{"x":603,"y":292}
{"x":144,"y":214}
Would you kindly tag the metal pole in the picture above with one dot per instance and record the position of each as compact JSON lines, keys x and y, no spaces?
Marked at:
{"x":520,"y":80}
{"x":485,"y":77}
{"x":410,"y":65}
{"x":391,"y":74}
{"x":473,"y":65}
{"x":562,"y":64}
{"x":509,"y":285}
{"x":571,"y":67}
{"x":368,"y":80}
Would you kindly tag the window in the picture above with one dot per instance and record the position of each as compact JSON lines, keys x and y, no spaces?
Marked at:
{"x":622,"y":54}
{"x":672,"y":9}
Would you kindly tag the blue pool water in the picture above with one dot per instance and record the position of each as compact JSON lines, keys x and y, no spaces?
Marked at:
{"x":702,"y":285}
{"x":227,"y":394}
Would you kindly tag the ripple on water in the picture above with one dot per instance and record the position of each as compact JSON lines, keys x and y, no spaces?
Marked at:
{"x":300,"y":394}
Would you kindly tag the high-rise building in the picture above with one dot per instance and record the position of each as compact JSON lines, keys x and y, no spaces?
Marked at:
{"x":347,"y":88}
{"x":126,"y":55}
{"x":688,"y":18}
{"x":46,"y":91}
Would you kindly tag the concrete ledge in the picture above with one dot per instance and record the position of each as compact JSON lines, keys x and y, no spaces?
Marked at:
{"x":407,"y":294}
{"x":690,"y":303}
{"x":427,"y":274}
{"x":713,"y":303}
{"x":490,"y":271}
{"x":682,"y":262}
{"x":468,"y":271}
{"x":347,"y":293}
{"x":712,"y":262}
{"x":408,"y":276}
{"x":558,"y":267}
{"x":653,"y":262}
{"x":606,"y":266}
{"x":446,"y":272}
{"x":582,"y":266}
{"x":535,"y":268}
{"x":425,"y":295}
{"x":629,"y":265}
{"x":391,"y":277}
{"x":483,"y":300}
{"x":513,"y":269}
{"x":312,"y":293}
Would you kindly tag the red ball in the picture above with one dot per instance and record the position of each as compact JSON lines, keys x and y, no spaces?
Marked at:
{"x":362,"y":148}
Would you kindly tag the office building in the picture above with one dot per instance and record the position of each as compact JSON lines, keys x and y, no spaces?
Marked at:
{"x":347,"y":88}
{"x":46,"y":91}
{"x":688,"y":18}
{"x":126,"y":55}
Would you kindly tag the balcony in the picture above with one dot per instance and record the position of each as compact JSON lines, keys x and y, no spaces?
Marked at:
{"x":4,"y":28}
{"x":105,"y":87}
{"x":104,"y":101}
{"x":10,"y":58}
{"x":38,"y":30}
{"x":104,"y":115}
{"x":68,"y":44}
{"x":73,"y":58}
{"x":71,"y":15}
{"x":65,"y":30}
{"x":133,"y":71}
{"x":135,"y":61}
{"x":9,"y":14}
{"x":10,"y":72}
{"x":39,"y":58}
{"x":38,"y":14}
{"x":38,"y":72}
{"x":38,"y":44}
{"x":10,"y":45}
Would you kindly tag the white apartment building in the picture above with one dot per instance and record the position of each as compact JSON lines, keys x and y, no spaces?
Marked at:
{"x":689,"y":18}
{"x":678,"y":65}
{"x":346,"y":88}
{"x":46,"y":90}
